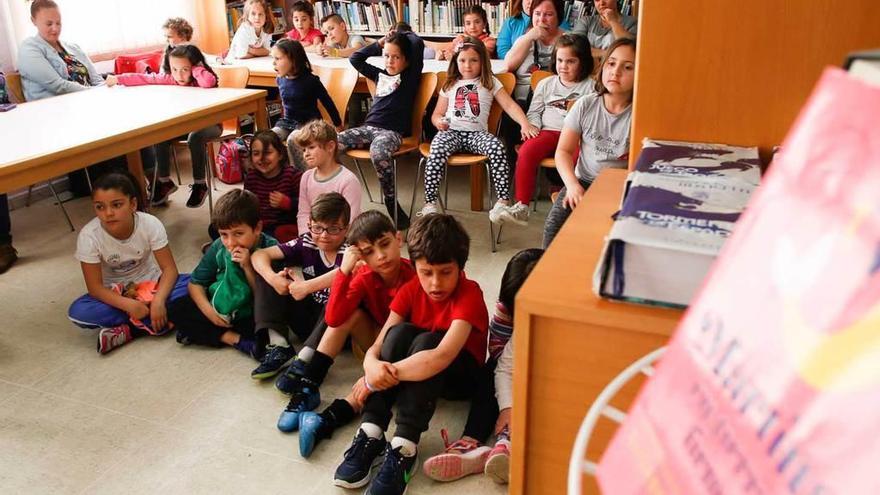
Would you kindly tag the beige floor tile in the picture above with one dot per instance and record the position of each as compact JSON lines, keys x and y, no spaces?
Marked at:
{"x":8,"y":390}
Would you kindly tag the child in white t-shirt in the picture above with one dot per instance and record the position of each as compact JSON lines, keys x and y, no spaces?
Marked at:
{"x":127,"y":265}
{"x":254,"y":34}
{"x":462,"y":117}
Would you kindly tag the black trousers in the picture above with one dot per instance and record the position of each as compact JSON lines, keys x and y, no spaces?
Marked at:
{"x":484,"y":406}
{"x":416,"y":401}
{"x":274,"y":311}
{"x":194,"y":327}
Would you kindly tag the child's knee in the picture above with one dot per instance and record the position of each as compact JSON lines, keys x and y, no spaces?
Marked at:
{"x":425,"y":341}
{"x":397,"y":342}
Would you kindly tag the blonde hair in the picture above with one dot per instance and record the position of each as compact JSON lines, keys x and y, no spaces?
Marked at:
{"x":316,"y":131}
{"x":180,"y":26}
{"x":269,"y":26}
{"x":453,"y":75}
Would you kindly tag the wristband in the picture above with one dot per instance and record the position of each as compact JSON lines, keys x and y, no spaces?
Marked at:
{"x":367,"y":384}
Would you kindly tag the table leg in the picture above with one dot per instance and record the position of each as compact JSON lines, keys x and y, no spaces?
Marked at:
{"x":477,"y":186}
{"x":261,"y":119}
{"x":136,"y":167}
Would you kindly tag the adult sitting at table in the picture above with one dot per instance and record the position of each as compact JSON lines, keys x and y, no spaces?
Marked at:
{"x":516,"y":25}
{"x":533,"y":50}
{"x":605,"y":25}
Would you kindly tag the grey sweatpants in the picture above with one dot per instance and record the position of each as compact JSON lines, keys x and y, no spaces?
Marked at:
{"x":558,"y":215}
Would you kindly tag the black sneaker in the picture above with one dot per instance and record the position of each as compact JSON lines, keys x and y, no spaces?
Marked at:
{"x":197,"y":195}
{"x":364,"y":454}
{"x":395,"y":474}
{"x":289,"y":381}
{"x":164,"y":188}
{"x":275,"y":359}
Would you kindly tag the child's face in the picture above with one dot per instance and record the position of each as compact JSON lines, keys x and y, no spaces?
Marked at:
{"x":473,"y":25}
{"x":618,"y":73}
{"x":328,"y":236}
{"x":438,"y":281}
{"x":240,"y":235}
{"x":257,"y":16}
{"x":395,"y":61}
{"x":174,"y":38}
{"x":266,"y":159}
{"x":115,"y":211}
{"x":382,"y":255}
{"x":337,"y":32}
{"x":301,"y":21}
{"x":568,"y":66}
{"x":317,"y":154}
{"x":468,"y":61}
{"x":181,"y":70}
{"x":281,"y":63}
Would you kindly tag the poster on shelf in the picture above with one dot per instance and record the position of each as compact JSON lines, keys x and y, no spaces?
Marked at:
{"x":771,"y":384}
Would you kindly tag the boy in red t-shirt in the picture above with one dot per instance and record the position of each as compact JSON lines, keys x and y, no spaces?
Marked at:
{"x":433,"y":344}
{"x":370,"y":275}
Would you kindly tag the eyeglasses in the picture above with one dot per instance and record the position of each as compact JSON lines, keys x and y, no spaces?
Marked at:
{"x":319,"y":229}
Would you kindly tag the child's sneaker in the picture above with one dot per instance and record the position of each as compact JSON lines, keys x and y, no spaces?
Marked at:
{"x":301,"y":401}
{"x":518,"y":214}
{"x":164,"y":188}
{"x":362,"y":456}
{"x":498,"y":463}
{"x":429,"y":209}
{"x":113,"y":337}
{"x":312,"y":429}
{"x":289,"y":381}
{"x":395,"y":474}
{"x":248,"y":347}
{"x":275,"y":359}
{"x":460,"y":459}
{"x":197,"y":195}
{"x":496,"y":214}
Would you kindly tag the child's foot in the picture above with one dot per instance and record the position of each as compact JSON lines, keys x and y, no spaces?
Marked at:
{"x":113,"y":337}
{"x":8,"y":255}
{"x":301,"y":401}
{"x":164,"y":188}
{"x":496,"y":214}
{"x":518,"y":214}
{"x":429,"y":209}
{"x":248,"y":347}
{"x":395,"y":474}
{"x":289,"y":381}
{"x":362,"y":456}
{"x":275,"y":359}
{"x":461,"y":458}
{"x":498,"y":463}
{"x":198,"y":192}
{"x":312,"y":429}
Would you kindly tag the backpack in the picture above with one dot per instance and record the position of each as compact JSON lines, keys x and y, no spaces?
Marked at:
{"x":139,"y":62}
{"x":231,"y":159}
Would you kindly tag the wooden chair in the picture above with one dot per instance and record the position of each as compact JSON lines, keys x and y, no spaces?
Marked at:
{"x":340,"y":83}
{"x":548,"y":162}
{"x":227,"y":77}
{"x":13,"y":85}
{"x":410,"y":143}
{"x":466,"y":159}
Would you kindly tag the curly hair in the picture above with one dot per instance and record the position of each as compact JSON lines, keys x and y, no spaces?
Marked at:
{"x":180,"y":26}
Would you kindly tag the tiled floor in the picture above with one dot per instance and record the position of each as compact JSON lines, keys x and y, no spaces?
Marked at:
{"x":155,"y":417}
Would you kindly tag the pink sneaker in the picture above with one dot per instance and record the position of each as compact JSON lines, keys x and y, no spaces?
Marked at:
{"x":464,"y":457}
{"x":498,"y":463}
{"x":111,"y":338}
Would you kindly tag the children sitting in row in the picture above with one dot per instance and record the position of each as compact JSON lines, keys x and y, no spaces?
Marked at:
{"x":253,"y":37}
{"x":276,"y":185}
{"x":337,"y":41}
{"x":124,"y":251}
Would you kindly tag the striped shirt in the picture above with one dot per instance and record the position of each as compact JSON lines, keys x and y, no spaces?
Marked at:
{"x":287,"y":183}
{"x":304,"y":253}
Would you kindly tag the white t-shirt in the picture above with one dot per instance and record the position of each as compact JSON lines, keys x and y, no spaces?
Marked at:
{"x":128,"y":260}
{"x":550,"y":102}
{"x":470,"y":103}
{"x":604,"y":137}
{"x":245,"y":37}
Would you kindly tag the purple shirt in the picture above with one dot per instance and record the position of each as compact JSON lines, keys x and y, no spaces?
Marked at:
{"x":303,"y":252}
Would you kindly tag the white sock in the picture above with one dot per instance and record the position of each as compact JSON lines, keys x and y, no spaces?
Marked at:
{"x":408,"y":447}
{"x":305,"y":355}
{"x":277,"y":339}
{"x":372,"y":430}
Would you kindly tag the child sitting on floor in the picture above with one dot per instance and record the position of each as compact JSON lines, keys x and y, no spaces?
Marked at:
{"x":276,"y":184}
{"x":433,"y":344}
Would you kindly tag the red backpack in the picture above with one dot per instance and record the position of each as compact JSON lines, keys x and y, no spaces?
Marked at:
{"x":138,"y":62}
{"x":231,"y":159}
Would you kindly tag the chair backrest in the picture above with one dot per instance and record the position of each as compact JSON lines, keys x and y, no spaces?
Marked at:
{"x":13,"y":85}
{"x":508,"y":80}
{"x":427,"y":87}
{"x":538,"y":76}
{"x":232,"y":77}
{"x":577,"y":464}
{"x":340,"y":83}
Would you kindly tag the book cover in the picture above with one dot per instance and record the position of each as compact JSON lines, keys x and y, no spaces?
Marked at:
{"x":699,"y":159}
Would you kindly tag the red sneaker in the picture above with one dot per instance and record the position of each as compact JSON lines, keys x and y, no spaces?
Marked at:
{"x":111,"y":338}
{"x":461,"y":458}
{"x":498,"y":462}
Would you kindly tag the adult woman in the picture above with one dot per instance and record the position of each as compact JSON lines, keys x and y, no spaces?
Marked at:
{"x":533,"y":50}
{"x":516,"y":25}
{"x":49,"y":66}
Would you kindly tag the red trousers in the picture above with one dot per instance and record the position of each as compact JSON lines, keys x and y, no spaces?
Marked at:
{"x":530,"y":155}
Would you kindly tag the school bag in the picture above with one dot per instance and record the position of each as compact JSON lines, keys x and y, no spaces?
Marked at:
{"x":231,"y":294}
{"x":232,"y":158}
{"x":138,"y":62}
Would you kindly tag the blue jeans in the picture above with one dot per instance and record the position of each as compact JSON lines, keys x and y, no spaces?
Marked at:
{"x":88,"y":312}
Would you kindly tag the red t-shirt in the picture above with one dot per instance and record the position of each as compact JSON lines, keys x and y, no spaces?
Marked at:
{"x":466,"y":303}
{"x":364,"y":287}
{"x":314,"y":36}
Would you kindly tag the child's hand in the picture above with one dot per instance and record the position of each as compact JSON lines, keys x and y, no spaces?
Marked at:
{"x":137,"y":310}
{"x":350,"y":259}
{"x":297,"y":288}
{"x":158,"y":315}
{"x":381,"y":375}
{"x":279,"y":282}
{"x":242,"y":256}
{"x":529,"y":132}
{"x":278,"y":199}
{"x":111,"y":80}
{"x":216,"y":319}
{"x":442,"y":124}
{"x":573,"y":196}
{"x":441,"y":54}
{"x":340,"y":128}
{"x":360,"y":392}
{"x":611,"y":16}
{"x":503,"y":420}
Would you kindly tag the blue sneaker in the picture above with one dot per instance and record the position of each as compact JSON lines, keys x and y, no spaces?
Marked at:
{"x":275,"y":359}
{"x":301,"y":401}
{"x":312,"y":429}
{"x":364,"y":454}
{"x":289,"y":381}
{"x":395,"y":474}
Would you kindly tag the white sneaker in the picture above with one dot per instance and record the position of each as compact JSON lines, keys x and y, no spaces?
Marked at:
{"x":496,"y":214}
{"x":518,"y":214}
{"x":429,"y":209}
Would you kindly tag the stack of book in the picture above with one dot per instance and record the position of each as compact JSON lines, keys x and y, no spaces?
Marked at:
{"x":447,"y":16}
{"x":680,"y":206}
{"x":372,"y":17}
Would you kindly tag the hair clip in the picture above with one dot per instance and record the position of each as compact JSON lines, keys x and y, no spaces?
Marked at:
{"x":462,"y":45}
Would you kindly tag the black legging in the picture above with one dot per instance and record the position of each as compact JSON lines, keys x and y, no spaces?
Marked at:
{"x":5,"y":221}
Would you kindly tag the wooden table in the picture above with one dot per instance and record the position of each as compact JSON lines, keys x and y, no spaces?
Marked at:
{"x":570,"y":344}
{"x":50,"y":137}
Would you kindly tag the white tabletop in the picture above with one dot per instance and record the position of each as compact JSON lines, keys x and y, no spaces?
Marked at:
{"x":102,"y":115}
{"x":263,"y":65}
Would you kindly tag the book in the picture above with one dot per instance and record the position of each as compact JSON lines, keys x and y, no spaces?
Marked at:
{"x":679,"y":158}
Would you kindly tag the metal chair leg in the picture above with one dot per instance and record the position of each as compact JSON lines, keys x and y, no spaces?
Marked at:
{"x":27,"y":200}
{"x":61,"y":205}
{"x":209,"y":175}
{"x":88,"y":178}
{"x":412,"y":204}
{"x":395,"y":206}
{"x":537,"y":189}
{"x":363,"y":180}
{"x":492,"y":239}
{"x":153,"y":184}
{"x":176,"y":165}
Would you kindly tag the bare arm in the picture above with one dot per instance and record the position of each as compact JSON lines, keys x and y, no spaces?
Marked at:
{"x":520,"y":50}
{"x":425,"y":364}
{"x":95,"y":285}
{"x":439,"y":112}
{"x":200,"y":297}
{"x":569,"y":141}
{"x":527,"y":130}
{"x":158,"y":313}
{"x":262,"y":260}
